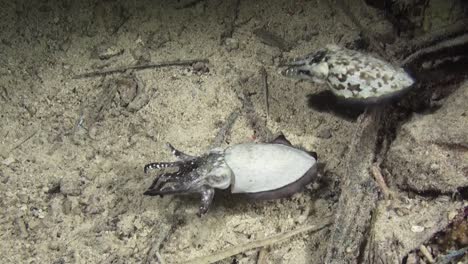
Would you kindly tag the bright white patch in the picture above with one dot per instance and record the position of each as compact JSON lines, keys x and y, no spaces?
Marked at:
{"x":321,"y":70}
{"x":266,"y":167}
{"x":219,"y":177}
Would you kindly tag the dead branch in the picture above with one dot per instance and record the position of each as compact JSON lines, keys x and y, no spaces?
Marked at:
{"x":425,"y":252}
{"x":226,"y":129}
{"x":255,"y":122}
{"x":256,"y":244}
{"x":262,"y":253}
{"x":230,"y":20}
{"x":358,"y":195}
{"x":432,"y":38}
{"x":347,"y":11}
{"x":140,"y":67}
{"x":264,"y":76}
{"x":377,"y":174}
{"x":449,"y":45}
{"x":32,"y":134}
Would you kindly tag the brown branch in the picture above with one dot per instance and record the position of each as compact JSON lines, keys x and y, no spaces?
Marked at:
{"x":264,"y":77}
{"x":358,"y":197}
{"x":347,"y":11}
{"x":377,"y":174}
{"x":226,"y":129}
{"x":5,"y":155}
{"x":449,"y":45}
{"x":262,"y":253}
{"x":230,"y":20}
{"x":432,"y":38}
{"x":140,"y":67}
{"x":255,"y":122}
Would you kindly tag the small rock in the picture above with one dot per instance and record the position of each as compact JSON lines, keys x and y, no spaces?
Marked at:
{"x":417,"y":229}
{"x":55,"y":208}
{"x":141,"y":54}
{"x":324,"y":133}
{"x":8,"y":161}
{"x":434,"y":167}
{"x":401,"y":211}
{"x":71,"y":185}
{"x":200,"y":67}
{"x":105,"y":53}
{"x":70,"y":205}
{"x":125,"y":226}
{"x":23,"y":197}
{"x":302,"y":218}
{"x":37,"y":212}
{"x":3,"y":178}
{"x":451,"y":215}
{"x":53,"y":245}
{"x":158,"y":39}
{"x":21,"y":226}
{"x":412,"y":258}
{"x":94,"y":205}
{"x":127,"y":88}
{"x":231,"y":44}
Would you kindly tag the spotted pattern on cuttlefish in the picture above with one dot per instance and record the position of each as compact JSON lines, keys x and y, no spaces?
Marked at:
{"x":351,"y":74}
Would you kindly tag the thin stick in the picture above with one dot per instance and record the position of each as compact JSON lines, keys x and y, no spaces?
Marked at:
{"x":226,"y":129}
{"x":255,"y":244}
{"x":358,"y":198}
{"x":448,"y":44}
{"x":346,"y":10}
{"x":259,"y":125}
{"x":4,"y":155}
{"x":159,"y":258}
{"x":380,"y":181}
{"x":264,"y":77}
{"x":262,"y":256}
{"x":140,"y":67}
{"x":426,"y":253}
{"x":434,"y":37}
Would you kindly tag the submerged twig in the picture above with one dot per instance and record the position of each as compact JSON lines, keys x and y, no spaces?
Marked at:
{"x":264,"y":76}
{"x":255,"y":244}
{"x":255,"y":122}
{"x":140,"y":67}
{"x":358,"y":198}
{"x":230,"y":20}
{"x":461,"y":41}
{"x":225,"y":129}
{"x":160,"y":258}
{"x":4,"y":155}
{"x":432,"y":38}
{"x":261,"y":259}
{"x":347,"y":11}
{"x":423,"y":249}
{"x":381,"y":181}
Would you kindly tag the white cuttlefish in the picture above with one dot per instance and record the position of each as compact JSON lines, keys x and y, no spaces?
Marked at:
{"x":350,"y":74}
